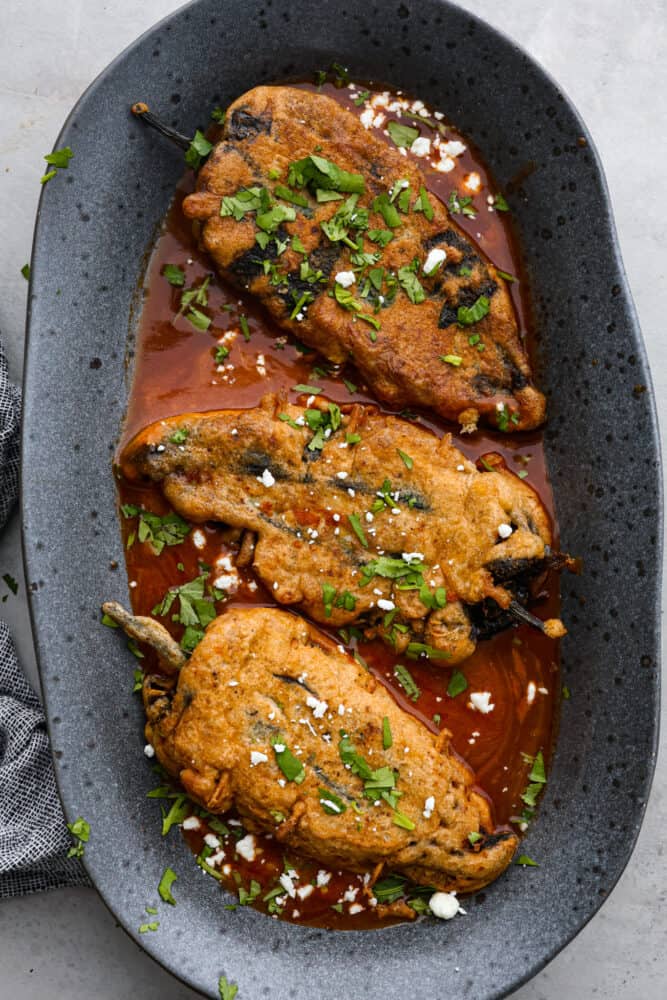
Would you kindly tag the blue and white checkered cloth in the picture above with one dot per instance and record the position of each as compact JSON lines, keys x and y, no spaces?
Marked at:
{"x":33,"y":837}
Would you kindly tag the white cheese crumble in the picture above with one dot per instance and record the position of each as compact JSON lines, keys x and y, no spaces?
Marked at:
{"x":319,"y":707}
{"x":323,"y":878}
{"x":421,"y":146}
{"x":149,"y":750}
{"x":304,"y":891}
{"x":409,"y":557}
{"x":341,"y":475}
{"x":212,"y":841}
{"x":246,"y":847}
{"x":530,"y":693}
{"x":504,"y":530}
{"x":444,"y":905}
{"x":345,"y":278}
{"x":429,"y":806}
{"x":472,"y":182}
{"x":386,"y":605}
{"x":354,"y":909}
{"x":452,"y":148}
{"x":267,"y":479}
{"x":257,"y":757}
{"x":480,"y":701}
{"x":198,"y":538}
{"x":191,"y":823}
{"x":366,"y":117}
{"x":279,"y":747}
{"x":288,"y":885}
{"x":434,"y":260}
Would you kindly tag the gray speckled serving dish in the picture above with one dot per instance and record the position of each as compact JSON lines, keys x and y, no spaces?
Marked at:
{"x":94,"y":226}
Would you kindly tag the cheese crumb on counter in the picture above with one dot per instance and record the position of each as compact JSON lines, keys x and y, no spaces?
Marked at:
{"x":445,"y":905}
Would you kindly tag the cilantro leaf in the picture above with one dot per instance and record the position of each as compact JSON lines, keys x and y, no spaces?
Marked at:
{"x":198,"y":150}
{"x":164,"y":888}
{"x":467,"y":315}
{"x":457,"y":684}
{"x":174,"y":274}
{"x":402,"y":135}
{"x":290,"y":765}
{"x":407,"y":681}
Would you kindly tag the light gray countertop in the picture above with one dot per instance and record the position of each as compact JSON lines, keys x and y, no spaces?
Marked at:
{"x":611,"y":59}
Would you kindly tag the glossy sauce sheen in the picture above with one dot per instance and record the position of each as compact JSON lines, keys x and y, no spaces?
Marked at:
{"x":175,"y":372}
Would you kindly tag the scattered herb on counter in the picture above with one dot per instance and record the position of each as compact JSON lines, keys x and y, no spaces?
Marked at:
{"x":80,"y":830}
{"x":108,"y":621}
{"x":138,"y":678}
{"x":527,"y":862}
{"x":402,"y":135}
{"x":198,"y":150}
{"x":457,"y":684}
{"x":153,"y":926}
{"x":218,"y":115}
{"x":158,"y":531}
{"x":169,"y":876}
{"x":25,"y":271}
{"x":500,"y":204}
{"x":248,"y":896}
{"x":180,"y":808}
{"x":11,"y":583}
{"x":407,"y":681}
{"x":174,"y":274}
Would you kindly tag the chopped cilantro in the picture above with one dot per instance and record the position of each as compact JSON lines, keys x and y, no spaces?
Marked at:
{"x":153,"y":926}
{"x":11,"y":583}
{"x":331,"y":803}
{"x":174,"y":274}
{"x":25,"y":271}
{"x":180,"y":435}
{"x":451,"y":359}
{"x":274,"y":217}
{"x":402,"y":135}
{"x":179,"y":809}
{"x":221,"y":353}
{"x":358,"y":530}
{"x":380,"y":236}
{"x":198,"y":150}
{"x":169,"y":876}
{"x":460,"y":205}
{"x":227,"y":990}
{"x":410,"y":283}
{"x":423,"y":204}
{"x":457,"y":684}
{"x":505,"y":275}
{"x":389,"y":213}
{"x":252,"y":199}
{"x":245,"y":329}
{"x":248,"y":896}
{"x":218,"y":115}
{"x":290,"y":765}
{"x":500,"y":204}
{"x":158,"y":531}
{"x":527,"y":862}
{"x":467,"y":315}
{"x":280,"y":191}
{"x":361,"y":97}
{"x":196,"y":610}
{"x":407,"y":681}
{"x":387,"y":738}
{"x":417,"y":649}
{"x":311,"y":390}
{"x":316,"y":172}
{"x":59,"y":160}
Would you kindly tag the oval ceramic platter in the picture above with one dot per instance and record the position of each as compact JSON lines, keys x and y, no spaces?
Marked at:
{"x":96,"y":223}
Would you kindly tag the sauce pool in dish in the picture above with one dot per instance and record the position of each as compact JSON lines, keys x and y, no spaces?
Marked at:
{"x":507,"y":714}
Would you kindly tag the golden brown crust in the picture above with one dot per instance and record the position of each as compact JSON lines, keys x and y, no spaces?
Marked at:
{"x":253,"y":470}
{"x":262,"y":676}
{"x":270,"y":127}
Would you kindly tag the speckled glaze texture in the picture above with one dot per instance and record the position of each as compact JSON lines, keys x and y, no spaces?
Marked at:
{"x":95,"y":224}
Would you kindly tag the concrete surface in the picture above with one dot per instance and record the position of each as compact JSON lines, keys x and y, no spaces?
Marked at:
{"x":611,"y":58}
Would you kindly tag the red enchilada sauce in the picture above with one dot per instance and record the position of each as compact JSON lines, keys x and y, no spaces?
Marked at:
{"x":175,"y":371}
